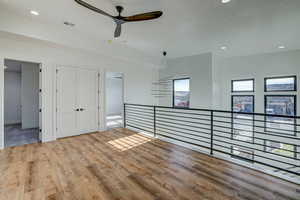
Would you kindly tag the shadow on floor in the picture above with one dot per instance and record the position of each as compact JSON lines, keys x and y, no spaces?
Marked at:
{"x":14,"y":135}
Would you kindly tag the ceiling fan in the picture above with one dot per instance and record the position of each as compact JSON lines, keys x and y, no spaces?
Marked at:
{"x":119,"y":20}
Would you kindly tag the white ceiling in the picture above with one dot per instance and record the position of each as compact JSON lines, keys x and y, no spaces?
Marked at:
{"x":188,"y":27}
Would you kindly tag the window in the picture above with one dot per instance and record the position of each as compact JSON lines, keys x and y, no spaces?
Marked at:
{"x":242,"y":153}
{"x":246,"y":85}
{"x":277,"y":84}
{"x":242,"y":124}
{"x":280,"y":105}
{"x":181,"y":93}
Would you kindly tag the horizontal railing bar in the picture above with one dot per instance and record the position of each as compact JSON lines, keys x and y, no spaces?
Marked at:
{"x":256,"y":155}
{"x":259,"y":132}
{"x":142,"y":112}
{"x":199,"y":114}
{"x":253,"y":143}
{"x":195,"y":131}
{"x":219,"y":111}
{"x":140,"y":108}
{"x":259,"y":162}
{"x":139,"y":128}
{"x":132,"y":104}
{"x":142,"y":121}
{"x":255,"y":126}
{"x":253,"y":149}
{"x":262,"y":121}
{"x":258,"y":138}
{"x":231,"y":128}
{"x":158,"y":117}
{"x":140,"y":116}
{"x":203,"y":128}
{"x":194,"y":118}
{"x":134,"y":123}
{"x":184,"y":132}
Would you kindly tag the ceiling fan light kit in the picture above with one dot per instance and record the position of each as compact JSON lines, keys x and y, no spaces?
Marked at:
{"x":119,"y":20}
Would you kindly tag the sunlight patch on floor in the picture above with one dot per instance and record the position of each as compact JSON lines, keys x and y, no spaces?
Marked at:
{"x":126,"y":143}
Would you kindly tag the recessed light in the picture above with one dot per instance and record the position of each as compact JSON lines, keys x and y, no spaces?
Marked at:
{"x":34,"y":13}
{"x":224,"y":48}
{"x":281,"y":47}
{"x":226,"y":1}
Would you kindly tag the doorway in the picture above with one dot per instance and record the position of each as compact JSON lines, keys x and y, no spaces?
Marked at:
{"x":114,"y":99}
{"x":21,"y":102}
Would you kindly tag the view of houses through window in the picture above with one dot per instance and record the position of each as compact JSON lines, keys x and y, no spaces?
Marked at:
{"x":242,"y":124}
{"x":276,"y":84}
{"x":280,"y":104}
{"x":181,"y":93}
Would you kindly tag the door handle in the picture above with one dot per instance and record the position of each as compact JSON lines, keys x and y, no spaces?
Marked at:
{"x":77,"y":110}
{"x":81,"y":109}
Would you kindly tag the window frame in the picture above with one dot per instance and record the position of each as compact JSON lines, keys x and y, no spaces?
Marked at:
{"x":295,"y":121}
{"x":280,"y":77}
{"x":173,"y":98}
{"x":253,"y":118}
{"x":240,"y":80}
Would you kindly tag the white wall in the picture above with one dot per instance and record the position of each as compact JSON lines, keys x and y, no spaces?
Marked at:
{"x":257,"y":67}
{"x":30,"y":95}
{"x":12,"y":97}
{"x":137,"y":86}
{"x":114,"y":95}
{"x":199,"y":69}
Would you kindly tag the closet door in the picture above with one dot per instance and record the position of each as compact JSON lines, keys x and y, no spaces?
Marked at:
{"x":67,"y":89}
{"x":87,"y":100}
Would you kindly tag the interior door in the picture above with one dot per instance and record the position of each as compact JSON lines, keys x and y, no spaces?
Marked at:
{"x":30,"y":95}
{"x":87,"y":100}
{"x":67,"y":114}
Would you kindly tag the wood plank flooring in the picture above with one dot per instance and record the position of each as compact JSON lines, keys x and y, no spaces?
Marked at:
{"x":122,"y":165}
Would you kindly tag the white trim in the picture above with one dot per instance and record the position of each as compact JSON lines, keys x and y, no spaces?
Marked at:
{"x":100,"y":96}
{"x":123,"y":96}
{"x":2,"y":103}
{"x":2,"y":145}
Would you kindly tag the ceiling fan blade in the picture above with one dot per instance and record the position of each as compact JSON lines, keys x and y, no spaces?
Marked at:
{"x":118,"y":30}
{"x":144,"y":16}
{"x":93,"y":8}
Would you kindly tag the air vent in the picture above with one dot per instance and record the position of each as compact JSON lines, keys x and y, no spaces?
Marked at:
{"x":69,"y":24}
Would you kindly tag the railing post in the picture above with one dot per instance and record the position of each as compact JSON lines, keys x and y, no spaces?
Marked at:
{"x":124,"y":115}
{"x":211,"y":132}
{"x":154,"y":120}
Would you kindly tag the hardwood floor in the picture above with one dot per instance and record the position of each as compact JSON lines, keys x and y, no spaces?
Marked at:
{"x":122,"y":165}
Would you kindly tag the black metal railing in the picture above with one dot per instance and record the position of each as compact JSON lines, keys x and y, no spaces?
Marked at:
{"x":270,"y":142}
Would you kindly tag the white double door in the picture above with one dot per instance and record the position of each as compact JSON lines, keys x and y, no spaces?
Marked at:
{"x":77,"y":101}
